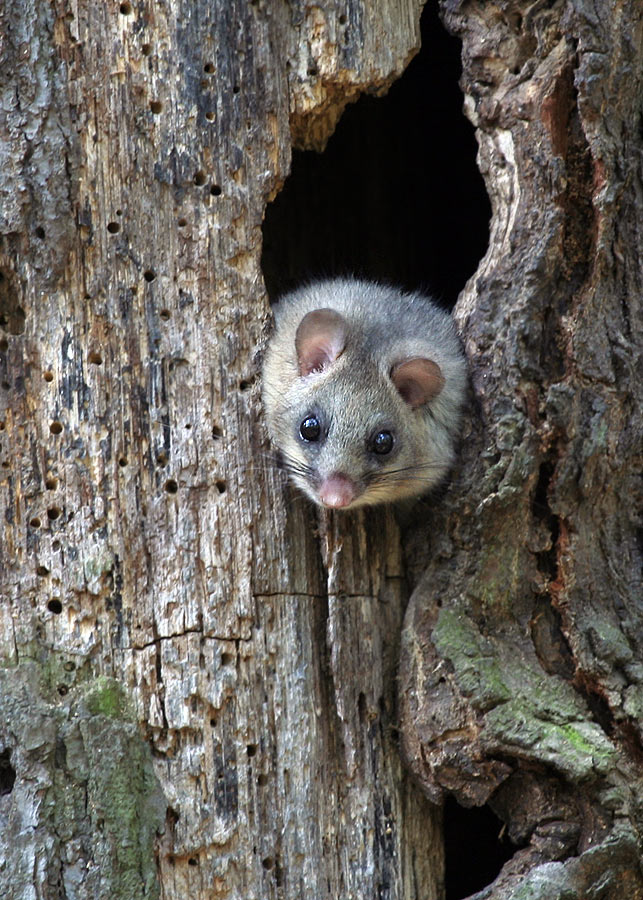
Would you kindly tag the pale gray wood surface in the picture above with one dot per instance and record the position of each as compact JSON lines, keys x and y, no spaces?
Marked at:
{"x":183,"y":650}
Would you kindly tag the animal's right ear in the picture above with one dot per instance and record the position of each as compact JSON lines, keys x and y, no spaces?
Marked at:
{"x":320,"y":339}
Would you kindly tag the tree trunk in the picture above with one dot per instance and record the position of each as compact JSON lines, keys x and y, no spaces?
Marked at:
{"x":198,"y":679}
{"x":521,"y":676}
{"x":183,"y":651}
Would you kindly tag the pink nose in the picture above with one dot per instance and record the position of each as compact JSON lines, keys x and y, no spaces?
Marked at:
{"x":337,"y":491}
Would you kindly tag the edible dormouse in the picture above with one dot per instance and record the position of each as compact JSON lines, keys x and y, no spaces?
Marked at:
{"x":363,"y":386}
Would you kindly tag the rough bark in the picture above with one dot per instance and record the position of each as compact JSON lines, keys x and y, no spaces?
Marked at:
{"x":521,"y":678}
{"x":182,"y":649}
{"x":197,"y":690}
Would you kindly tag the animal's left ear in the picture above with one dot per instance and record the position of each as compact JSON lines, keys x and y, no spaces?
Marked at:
{"x":418,"y":380}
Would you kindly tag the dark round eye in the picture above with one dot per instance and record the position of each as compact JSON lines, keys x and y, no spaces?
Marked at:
{"x":310,"y":428}
{"x":382,"y":442}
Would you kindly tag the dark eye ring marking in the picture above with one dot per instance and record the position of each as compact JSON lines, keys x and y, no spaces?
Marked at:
{"x":382,"y":443}
{"x":310,"y":429}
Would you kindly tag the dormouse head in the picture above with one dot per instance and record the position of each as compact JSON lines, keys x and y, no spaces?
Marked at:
{"x":358,"y":417}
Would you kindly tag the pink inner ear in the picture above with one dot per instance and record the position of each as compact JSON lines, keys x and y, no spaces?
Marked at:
{"x":320,"y":339}
{"x":418,"y":380}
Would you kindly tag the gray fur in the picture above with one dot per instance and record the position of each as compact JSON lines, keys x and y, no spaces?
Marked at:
{"x":356,"y":396}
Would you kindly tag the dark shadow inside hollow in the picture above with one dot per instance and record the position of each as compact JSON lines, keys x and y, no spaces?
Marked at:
{"x":7,"y":773}
{"x":396,"y":195}
{"x":475,"y":849}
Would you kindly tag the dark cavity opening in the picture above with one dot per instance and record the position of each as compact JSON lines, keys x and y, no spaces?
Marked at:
{"x":474,"y":848}
{"x":7,"y":773}
{"x":396,"y":195}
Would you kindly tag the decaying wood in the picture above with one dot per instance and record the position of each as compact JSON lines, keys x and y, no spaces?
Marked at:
{"x":183,"y":650}
{"x":521,"y":676}
{"x":197,"y":689}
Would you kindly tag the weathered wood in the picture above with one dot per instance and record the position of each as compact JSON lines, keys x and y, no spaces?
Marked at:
{"x":186,"y":645}
{"x":153,"y":570}
{"x":521,"y":672}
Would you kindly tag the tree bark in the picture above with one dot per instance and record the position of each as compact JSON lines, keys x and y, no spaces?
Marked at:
{"x":198,"y":685}
{"x":198,"y":670}
{"x":521,"y":678}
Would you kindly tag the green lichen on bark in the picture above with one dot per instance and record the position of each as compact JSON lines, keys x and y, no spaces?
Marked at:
{"x":478,"y":671}
{"x":577,"y":749}
{"x":537,"y":714}
{"x":84,"y":775}
{"x":106,"y":697}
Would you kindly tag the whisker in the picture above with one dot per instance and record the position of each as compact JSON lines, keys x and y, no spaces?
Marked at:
{"x":402,"y":475}
{"x":413,"y":468}
{"x":296,"y":467}
{"x":281,"y":460}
